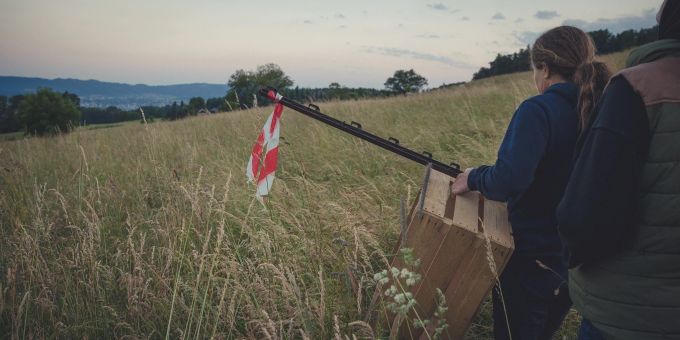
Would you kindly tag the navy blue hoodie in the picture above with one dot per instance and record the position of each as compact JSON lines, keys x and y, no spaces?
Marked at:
{"x":532,"y":169}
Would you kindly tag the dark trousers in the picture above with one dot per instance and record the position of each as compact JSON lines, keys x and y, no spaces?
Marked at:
{"x":588,"y":332}
{"x":536,"y":299}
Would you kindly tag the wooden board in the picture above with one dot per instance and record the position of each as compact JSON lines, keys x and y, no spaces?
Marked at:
{"x":450,"y":239}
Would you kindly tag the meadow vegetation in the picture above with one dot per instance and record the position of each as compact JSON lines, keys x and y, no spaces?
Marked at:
{"x":142,"y":231}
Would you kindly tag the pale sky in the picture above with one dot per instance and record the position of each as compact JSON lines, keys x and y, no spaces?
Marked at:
{"x":352,"y":42}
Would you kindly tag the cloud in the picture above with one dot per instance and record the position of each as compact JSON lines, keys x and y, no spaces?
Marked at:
{"x":518,"y":20}
{"x":465,"y":19}
{"x":428,"y":36}
{"x":498,"y":16}
{"x":400,"y":52}
{"x":616,"y":25}
{"x":454,"y":11}
{"x":308,"y":22}
{"x":438,"y":7}
{"x":526,"y":37}
{"x":546,"y":15}
{"x":339,"y":16}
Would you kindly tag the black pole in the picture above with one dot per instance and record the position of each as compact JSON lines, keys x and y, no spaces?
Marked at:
{"x":355,"y":129}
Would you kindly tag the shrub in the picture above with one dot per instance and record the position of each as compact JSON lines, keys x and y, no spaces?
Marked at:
{"x":47,"y":111}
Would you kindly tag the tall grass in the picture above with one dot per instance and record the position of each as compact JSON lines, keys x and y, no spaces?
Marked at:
{"x":151,"y":230}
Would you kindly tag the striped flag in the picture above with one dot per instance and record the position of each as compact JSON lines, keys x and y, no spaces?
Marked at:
{"x":262,"y":164}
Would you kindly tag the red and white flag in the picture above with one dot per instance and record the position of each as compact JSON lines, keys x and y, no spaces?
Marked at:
{"x":262,"y":164}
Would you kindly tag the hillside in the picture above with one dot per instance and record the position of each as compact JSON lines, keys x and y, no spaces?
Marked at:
{"x":103,"y":94}
{"x":151,"y":230}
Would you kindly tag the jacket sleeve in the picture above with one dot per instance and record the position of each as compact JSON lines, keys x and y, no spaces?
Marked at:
{"x":520,"y":153}
{"x":595,"y":216}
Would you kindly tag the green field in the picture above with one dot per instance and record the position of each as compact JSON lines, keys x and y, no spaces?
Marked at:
{"x":151,"y":230}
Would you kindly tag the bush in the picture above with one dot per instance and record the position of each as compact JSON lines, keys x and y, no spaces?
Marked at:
{"x":47,"y":111}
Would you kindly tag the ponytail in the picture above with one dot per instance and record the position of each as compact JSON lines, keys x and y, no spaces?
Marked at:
{"x":570,"y":52}
{"x":591,"y":79}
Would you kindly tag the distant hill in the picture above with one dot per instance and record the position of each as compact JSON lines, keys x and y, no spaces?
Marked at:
{"x":96,"y":93}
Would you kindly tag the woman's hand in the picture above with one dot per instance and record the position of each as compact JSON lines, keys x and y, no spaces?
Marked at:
{"x":460,"y":185}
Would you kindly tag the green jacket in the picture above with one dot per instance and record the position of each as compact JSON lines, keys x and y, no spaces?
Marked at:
{"x":636,"y":294}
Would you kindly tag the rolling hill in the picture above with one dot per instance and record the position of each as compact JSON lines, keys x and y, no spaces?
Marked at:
{"x":97,"y":93}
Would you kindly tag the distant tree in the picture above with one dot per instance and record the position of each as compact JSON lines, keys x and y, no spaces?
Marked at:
{"x":72,"y":97}
{"x":15,"y":101}
{"x":625,"y":40}
{"x":8,"y":120}
{"x":113,"y":114}
{"x":647,"y":35}
{"x":602,"y":40}
{"x":502,"y":64}
{"x":47,"y":112}
{"x":272,"y":75}
{"x":195,"y":105}
{"x":244,"y":84}
{"x":173,"y":112}
{"x":241,"y":87}
{"x":156,"y":111}
{"x":4,"y":104}
{"x":335,"y":91}
{"x":605,"y":42}
{"x":405,"y":81}
{"x":216,"y":104}
{"x":182,"y":110}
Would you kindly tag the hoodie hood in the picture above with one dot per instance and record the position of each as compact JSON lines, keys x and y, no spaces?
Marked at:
{"x":669,"y":20}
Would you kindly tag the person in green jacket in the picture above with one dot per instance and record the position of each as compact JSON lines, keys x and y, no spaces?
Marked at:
{"x":620,"y":215}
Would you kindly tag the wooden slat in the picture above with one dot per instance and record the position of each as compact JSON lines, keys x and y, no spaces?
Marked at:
{"x":438,"y":193}
{"x":448,"y":261}
{"x":466,"y":211}
{"x":464,"y":298}
{"x":458,"y":288}
{"x":496,"y":223}
{"x":425,"y":237}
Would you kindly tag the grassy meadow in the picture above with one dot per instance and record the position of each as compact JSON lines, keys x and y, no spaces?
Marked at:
{"x":151,"y":231}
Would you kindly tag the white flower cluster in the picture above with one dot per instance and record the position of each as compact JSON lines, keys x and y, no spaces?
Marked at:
{"x":381,"y":278}
{"x":400,"y":301}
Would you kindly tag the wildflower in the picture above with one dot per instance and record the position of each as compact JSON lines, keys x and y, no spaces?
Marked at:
{"x":404,"y":273}
{"x":395,"y":272}
{"x":399,"y":298}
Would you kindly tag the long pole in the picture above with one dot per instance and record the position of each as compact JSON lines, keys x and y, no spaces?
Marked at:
{"x":355,"y":129}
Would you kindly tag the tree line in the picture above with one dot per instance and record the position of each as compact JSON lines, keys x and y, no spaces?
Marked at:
{"x":605,"y":42}
{"x":244,"y":85}
{"x":46,"y":111}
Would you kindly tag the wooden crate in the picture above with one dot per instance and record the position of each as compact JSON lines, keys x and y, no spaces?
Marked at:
{"x":454,"y":238}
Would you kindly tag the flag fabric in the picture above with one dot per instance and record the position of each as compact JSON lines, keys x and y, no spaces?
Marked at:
{"x":261,"y":167}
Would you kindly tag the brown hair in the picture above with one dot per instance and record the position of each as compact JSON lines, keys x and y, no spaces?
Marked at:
{"x":569,"y":52}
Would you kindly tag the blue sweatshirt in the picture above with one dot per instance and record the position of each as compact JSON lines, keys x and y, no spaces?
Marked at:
{"x":532,"y":169}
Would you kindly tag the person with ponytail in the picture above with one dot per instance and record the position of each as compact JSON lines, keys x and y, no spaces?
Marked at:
{"x":530,"y":174}
{"x":620,"y":214}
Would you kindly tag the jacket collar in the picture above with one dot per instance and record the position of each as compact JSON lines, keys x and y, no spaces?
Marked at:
{"x":653,"y":51}
{"x":566,"y":90}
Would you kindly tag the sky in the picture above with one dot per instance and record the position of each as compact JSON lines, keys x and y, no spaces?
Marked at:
{"x":316,"y":42}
